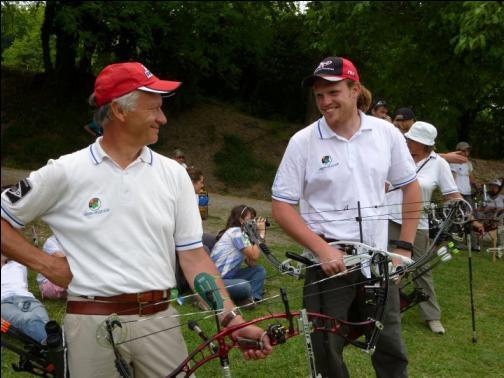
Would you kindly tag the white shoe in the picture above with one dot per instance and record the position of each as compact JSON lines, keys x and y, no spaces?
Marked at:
{"x":436,"y":327}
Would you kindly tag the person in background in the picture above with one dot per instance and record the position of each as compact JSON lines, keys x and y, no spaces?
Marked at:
{"x":94,"y":129}
{"x":465,"y":183}
{"x":345,"y":157}
{"x":233,"y":247}
{"x":432,"y":173}
{"x":197,"y":179}
{"x":179,"y":156}
{"x":19,"y":306}
{"x":380,"y":109}
{"x":122,"y":212}
{"x":404,"y":118}
{"x":47,"y":289}
{"x":495,"y":199}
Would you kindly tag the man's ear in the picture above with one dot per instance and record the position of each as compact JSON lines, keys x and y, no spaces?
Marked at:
{"x":117,"y":111}
{"x":356,"y":89}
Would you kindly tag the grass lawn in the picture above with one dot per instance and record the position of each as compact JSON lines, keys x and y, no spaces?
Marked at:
{"x":451,"y":355}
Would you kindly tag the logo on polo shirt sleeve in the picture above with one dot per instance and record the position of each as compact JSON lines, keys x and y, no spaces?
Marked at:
{"x":18,"y":191}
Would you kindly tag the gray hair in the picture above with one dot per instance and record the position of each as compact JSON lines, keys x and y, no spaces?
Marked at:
{"x":102,"y":114}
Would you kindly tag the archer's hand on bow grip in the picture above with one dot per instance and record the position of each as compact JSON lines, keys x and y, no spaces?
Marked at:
{"x":249,"y":349}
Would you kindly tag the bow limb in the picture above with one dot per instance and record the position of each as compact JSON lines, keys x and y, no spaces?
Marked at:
{"x":351,"y":331}
{"x":284,"y":267}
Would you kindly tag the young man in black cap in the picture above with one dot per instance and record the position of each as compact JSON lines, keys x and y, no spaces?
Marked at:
{"x":380,"y":109}
{"x":404,"y":118}
{"x":345,"y":157}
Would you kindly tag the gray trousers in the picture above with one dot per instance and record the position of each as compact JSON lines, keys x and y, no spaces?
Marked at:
{"x":429,"y":309}
{"x":389,"y":358}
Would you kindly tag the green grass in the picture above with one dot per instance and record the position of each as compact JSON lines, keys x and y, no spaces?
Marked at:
{"x":430,"y":355}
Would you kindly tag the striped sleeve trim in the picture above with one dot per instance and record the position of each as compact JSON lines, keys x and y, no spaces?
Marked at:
{"x":187,"y":246}
{"x":451,"y":191}
{"x":285,"y":199}
{"x":11,"y":219}
{"x":405,"y":182}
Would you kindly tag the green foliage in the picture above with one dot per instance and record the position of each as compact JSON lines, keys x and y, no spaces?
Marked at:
{"x":236,"y":165}
{"x":444,"y":59}
{"x":432,"y":56}
{"x":21,"y":46}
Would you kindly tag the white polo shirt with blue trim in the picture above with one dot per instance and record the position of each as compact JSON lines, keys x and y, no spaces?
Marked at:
{"x":119,"y":228}
{"x":434,"y":173}
{"x":327,"y":174}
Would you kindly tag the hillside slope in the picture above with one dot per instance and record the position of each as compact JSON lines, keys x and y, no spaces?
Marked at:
{"x":40,"y":120}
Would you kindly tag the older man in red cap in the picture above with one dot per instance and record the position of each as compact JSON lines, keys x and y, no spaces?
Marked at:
{"x":121,"y":213}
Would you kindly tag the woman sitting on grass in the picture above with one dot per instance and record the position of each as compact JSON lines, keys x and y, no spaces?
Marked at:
{"x":245,"y":285}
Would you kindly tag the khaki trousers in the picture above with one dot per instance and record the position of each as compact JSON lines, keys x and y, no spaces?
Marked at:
{"x":153,"y":356}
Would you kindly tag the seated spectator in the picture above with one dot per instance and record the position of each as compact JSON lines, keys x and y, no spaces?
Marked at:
{"x":179,"y":156}
{"x":233,"y":246}
{"x":379,"y":109}
{"x":94,"y":129}
{"x":19,"y":306}
{"x":495,"y":200}
{"x":198,"y":180}
{"x":47,"y":288}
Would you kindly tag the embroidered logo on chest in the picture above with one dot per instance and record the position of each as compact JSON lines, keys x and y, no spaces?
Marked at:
{"x":327,"y":162}
{"x":94,"y":206}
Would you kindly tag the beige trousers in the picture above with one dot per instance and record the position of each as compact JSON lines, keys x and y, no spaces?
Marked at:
{"x":153,"y":356}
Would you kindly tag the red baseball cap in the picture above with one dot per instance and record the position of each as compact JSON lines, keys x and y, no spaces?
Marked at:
{"x":119,"y":79}
{"x":332,"y":68}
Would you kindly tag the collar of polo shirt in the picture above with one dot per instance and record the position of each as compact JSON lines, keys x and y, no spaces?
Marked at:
{"x":98,"y":153}
{"x":325,"y":132}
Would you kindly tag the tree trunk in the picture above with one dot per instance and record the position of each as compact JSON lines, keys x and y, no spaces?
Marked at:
{"x":45,"y":33}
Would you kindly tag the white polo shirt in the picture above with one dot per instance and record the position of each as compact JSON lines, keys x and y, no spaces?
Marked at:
{"x":15,"y":280}
{"x":462,"y":177}
{"x":327,"y":174}
{"x":435,"y":173}
{"x":118,"y":227}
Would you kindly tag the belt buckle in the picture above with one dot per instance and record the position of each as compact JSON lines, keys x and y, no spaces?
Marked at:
{"x":141,"y":304}
{"x":141,"y":308}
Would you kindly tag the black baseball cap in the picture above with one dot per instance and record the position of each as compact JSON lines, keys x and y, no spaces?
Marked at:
{"x":332,"y":68}
{"x":406,"y":114}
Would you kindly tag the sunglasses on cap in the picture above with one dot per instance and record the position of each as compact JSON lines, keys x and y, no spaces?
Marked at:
{"x":379,"y":103}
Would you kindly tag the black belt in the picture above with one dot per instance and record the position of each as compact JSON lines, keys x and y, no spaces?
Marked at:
{"x":347,"y":248}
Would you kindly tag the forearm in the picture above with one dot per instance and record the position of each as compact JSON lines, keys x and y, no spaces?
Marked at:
{"x":196,"y":261}
{"x":412,"y":204}
{"x":15,"y":247}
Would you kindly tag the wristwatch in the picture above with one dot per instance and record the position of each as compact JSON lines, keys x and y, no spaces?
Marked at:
{"x":403,"y":245}
{"x":229,"y":317}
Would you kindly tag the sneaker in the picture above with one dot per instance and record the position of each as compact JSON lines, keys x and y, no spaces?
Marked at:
{"x":436,"y":327}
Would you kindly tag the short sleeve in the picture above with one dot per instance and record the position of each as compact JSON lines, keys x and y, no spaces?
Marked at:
{"x":188,"y":226}
{"x":34,"y":195}
{"x":402,"y":168}
{"x":288,"y":183}
{"x":447,"y":183}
